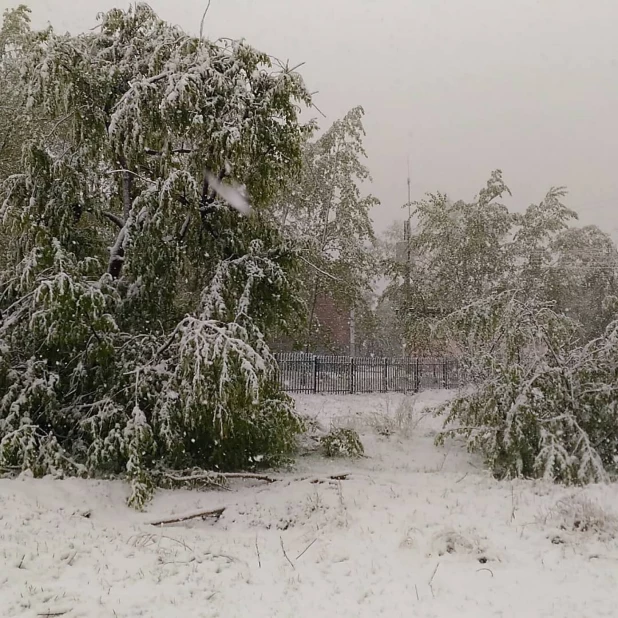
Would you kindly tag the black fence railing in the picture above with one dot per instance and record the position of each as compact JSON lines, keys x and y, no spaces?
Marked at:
{"x":307,"y":373}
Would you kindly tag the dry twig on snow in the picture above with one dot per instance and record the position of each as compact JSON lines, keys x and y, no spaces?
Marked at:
{"x":257,"y":551}
{"x":306,"y":548}
{"x":431,"y":580}
{"x":489,"y":570}
{"x":285,"y":553}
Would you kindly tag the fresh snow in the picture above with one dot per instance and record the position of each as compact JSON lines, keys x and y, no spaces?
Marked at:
{"x":415,"y":530}
{"x":230,"y":194}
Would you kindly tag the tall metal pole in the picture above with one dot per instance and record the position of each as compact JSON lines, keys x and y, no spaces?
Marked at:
{"x":409,"y":202}
{"x":408,"y":238}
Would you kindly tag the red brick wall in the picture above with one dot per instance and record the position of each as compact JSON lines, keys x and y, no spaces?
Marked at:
{"x":332,"y":335}
{"x":334,"y":326}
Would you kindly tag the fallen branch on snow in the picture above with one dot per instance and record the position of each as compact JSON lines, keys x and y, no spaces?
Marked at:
{"x":334,"y":477}
{"x":216,"y":513}
{"x":319,"y":479}
{"x":216,"y":478}
{"x":219,"y":479}
{"x":211,"y":478}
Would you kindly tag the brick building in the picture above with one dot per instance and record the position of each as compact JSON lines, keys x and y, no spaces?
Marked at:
{"x":335,"y":327}
{"x":333,"y":334}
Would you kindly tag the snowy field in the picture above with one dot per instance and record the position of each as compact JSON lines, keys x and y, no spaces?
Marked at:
{"x":414,"y":530}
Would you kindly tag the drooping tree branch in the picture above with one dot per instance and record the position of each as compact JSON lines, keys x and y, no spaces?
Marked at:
{"x":205,"y":190}
{"x":158,"y":153}
{"x":116,"y":257}
{"x":113,"y":218}
{"x":116,"y":254}
{"x":185,"y":228}
{"x":127,"y":188}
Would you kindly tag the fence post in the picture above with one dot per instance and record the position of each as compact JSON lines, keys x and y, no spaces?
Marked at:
{"x":351,"y":374}
{"x":385,"y":376}
{"x":315,"y":373}
{"x":417,"y":376}
{"x":279,"y":372}
{"x":445,"y":374}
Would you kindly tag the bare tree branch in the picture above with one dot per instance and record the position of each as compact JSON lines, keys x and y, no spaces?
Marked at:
{"x":203,"y":18}
{"x":323,"y":272}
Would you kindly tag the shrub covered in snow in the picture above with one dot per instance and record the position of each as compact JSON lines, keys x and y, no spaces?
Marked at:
{"x":402,"y":420}
{"x":342,"y":442}
{"x":579,"y":513}
{"x":540,"y":405}
{"x":132,"y":304}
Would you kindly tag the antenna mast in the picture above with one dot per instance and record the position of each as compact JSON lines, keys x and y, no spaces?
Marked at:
{"x":407,"y":232}
{"x":409,"y":204}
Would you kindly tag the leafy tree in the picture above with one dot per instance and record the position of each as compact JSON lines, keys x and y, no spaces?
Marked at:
{"x":15,"y":126}
{"x":461,"y":252}
{"x":133,"y":317}
{"x":380,"y":329}
{"x":533,"y":245}
{"x":326,"y":213}
{"x":582,"y":279}
{"x":516,"y":295}
{"x":457,"y":255}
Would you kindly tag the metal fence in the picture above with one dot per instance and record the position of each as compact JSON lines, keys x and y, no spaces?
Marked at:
{"x":307,"y":373}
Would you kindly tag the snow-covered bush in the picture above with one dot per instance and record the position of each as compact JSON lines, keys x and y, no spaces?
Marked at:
{"x":539,"y":405}
{"x":401,"y":420}
{"x":581,"y":514}
{"x":133,"y":304}
{"x":342,"y":442}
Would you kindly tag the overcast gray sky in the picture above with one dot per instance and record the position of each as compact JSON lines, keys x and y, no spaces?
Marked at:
{"x":459,"y":86}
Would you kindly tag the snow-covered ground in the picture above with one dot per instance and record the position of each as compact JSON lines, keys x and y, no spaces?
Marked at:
{"x":414,"y":530}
